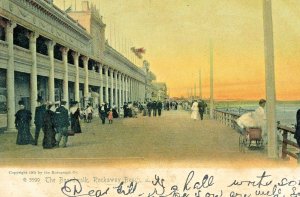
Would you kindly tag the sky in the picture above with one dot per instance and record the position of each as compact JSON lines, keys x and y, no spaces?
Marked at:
{"x":176,"y":35}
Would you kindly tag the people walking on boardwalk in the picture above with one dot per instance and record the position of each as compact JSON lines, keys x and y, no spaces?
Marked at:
{"x":195,"y":110}
{"x":159,"y":107}
{"x":110,"y":116}
{"x":167,"y":105}
{"x":149,"y":108}
{"x":102,"y":112}
{"x":89,"y":113}
{"x":38,"y":119}
{"x":115,"y":113}
{"x":297,"y":133}
{"x":154,"y":108}
{"x":49,"y":140}
{"x":62,"y":124}
{"x":201,"y":105}
{"x":125,"y":107}
{"x":22,"y":123}
{"x":74,"y":116}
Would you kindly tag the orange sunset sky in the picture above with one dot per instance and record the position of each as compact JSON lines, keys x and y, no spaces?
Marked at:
{"x":176,"y":34}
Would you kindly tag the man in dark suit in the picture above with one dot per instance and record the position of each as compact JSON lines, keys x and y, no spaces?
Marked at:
{"x":149,"y":108}
{"x":159,"y":107}
{"x":201,"y":105}
{"x":154,"y":107}
{"x":39,"y":119}
{"x":62,"y":124}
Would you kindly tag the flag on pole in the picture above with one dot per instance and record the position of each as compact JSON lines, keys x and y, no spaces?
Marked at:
{"x":138,"y":51}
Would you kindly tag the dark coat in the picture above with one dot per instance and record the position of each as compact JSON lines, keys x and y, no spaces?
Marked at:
{"x":159,"y":105}
{"x":149,"y":105}
{"x":39,"y":115}
{"x":115,"y":113}
{"x":202,"y":105}
{"x":297,"y":133}
{"x":22,"y":122}
{"x":154,"y":105}
{"x":49,"y":129}
{"x":62,"y":117}
{"x":75,"y":124}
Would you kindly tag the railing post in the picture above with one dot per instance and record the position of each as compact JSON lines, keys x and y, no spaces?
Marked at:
{"x":284,"y":145}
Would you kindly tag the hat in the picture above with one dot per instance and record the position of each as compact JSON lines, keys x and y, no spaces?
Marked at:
{"x":261,"y":101}
{"x":21,"y":102}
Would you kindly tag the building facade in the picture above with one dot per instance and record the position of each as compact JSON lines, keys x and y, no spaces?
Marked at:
{"x":58,"y":56}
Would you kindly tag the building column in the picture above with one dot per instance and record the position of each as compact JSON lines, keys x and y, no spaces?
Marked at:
{"x":106,"y":88}
{"x":64,"y":51}
{"x":33,"y":76}
{"x":126,"y":88}
{"x":86,"y":81}
{"x":120,"y":87}
{"x":111,"y":88}
{"x":50,"y":45}
{"x":101,"y":85}
{"x":10,"y":80}
{"x":116,"y":90}
{"x":76,"y":86}
{"x":123,"y":89}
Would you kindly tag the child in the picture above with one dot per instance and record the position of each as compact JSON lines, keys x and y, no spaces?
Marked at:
{"x":110,"y":116}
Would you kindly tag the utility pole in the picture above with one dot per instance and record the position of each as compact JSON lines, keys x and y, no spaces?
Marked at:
{"x":200,"y":85}
{"x":270,"y":80}
{"x":211,"y":80}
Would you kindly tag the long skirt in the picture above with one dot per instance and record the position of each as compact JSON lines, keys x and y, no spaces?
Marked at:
{"x":195,"y":114}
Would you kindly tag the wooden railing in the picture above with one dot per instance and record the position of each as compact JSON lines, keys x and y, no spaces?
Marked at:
{"x":285,"y":142}
{"x":228,"y":118}
{"x":225,"y":117}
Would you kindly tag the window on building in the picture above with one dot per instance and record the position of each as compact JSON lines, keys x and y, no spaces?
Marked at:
{"x":70,"y":57}
{"x":20,"y":37}
{"x":57,"y":52}
{"x":2,"y":33}
{"x":80,"y":62}
{"x":41,"y":46}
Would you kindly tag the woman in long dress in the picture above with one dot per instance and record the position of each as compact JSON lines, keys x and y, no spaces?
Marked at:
{"x":22,"y":122}
{"x":75,"y":114}
{"x":195,"y":111}
{"x":49,"y":140}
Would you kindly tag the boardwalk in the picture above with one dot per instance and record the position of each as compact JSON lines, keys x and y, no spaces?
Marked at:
{"x":171,"y":140}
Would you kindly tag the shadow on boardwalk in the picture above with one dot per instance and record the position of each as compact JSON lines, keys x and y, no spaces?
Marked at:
{"x":171,"y":140}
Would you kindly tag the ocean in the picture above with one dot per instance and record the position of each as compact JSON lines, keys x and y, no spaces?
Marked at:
{"x":285,"y":112}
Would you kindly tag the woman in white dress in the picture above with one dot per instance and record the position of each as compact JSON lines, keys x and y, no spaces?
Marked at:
{"x":195,"y":111}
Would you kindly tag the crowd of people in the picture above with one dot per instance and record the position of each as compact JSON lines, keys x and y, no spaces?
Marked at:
{"x":198,"y":109}
{"x":55,"y":119}
{"x":52,"y":119}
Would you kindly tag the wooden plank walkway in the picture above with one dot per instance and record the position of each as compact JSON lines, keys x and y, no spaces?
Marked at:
{"x":171,"y":140}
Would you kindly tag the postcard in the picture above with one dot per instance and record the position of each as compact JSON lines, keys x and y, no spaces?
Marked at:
{"x":153,"y":98}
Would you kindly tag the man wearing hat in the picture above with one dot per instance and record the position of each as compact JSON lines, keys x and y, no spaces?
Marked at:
{"x":39,"y":118}
{"x":22,"y":122}
{"x":62,"y":123}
